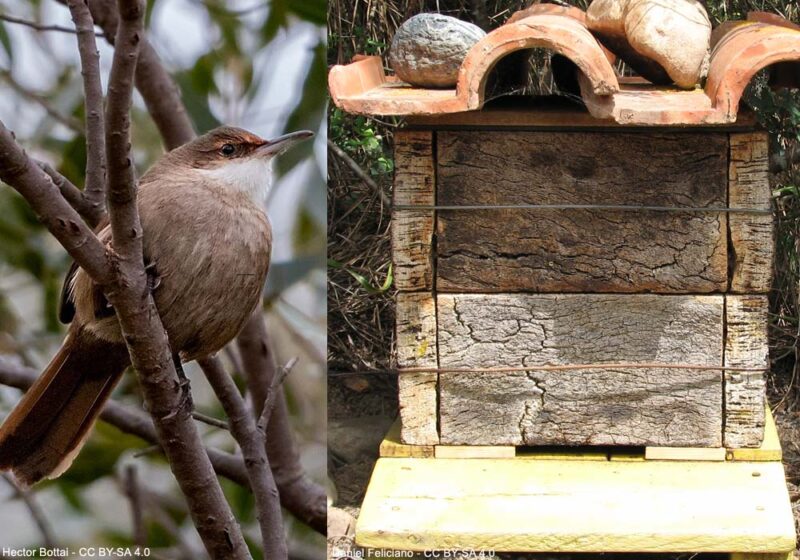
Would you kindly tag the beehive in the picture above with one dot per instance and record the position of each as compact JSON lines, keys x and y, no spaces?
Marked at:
{"x":590,"y":276}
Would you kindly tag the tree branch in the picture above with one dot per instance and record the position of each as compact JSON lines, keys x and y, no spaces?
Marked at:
{"x":167,"y":398}
{"x":129,"y":420}
{"x":48,"y":537}
{"x":39,"y":26}
{"x":68,"y":190}
{"x":160,"y":93}
{"x":132,"y":490}
{"x":251,"y":441}
{"x":305,"y":499}
{"x":68,"y":121}
{"x":52,"y":209}
{"x":94,"y":187}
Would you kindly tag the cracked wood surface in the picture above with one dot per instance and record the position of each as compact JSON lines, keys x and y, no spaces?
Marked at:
{"x":746,"y":346}
{"x":416,"y":347}
{"x":752,"y":236}
{"x":581,"y":250}
{"x":412,"y":231}
{"x":613,"y":407}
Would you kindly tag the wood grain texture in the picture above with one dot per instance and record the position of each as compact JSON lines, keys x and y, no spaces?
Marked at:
{"x":412,"y":231}
{"x":576,"y":506}
{"x":746,"y":345}
{"x":581,"y":250}
{"x":416,"y":347}
{"x":674,"y":407}
{"x":752,"y":236}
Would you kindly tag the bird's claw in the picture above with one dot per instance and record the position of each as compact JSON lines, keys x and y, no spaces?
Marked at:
{"x":153,"y":279}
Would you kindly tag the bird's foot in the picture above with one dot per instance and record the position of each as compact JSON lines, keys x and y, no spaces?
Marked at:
{"x":153,"y":279}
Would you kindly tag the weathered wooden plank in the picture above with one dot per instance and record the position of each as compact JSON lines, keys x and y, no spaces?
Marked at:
{"x":581,"y":250}
{"x":752,"y":235}
{"x":746,"y":346}
{"x":412,"y":231}
{"x":675,"y":407}
{"x":391,"y":446}
{"x":770,"y":448}
{"x":416,"y":347}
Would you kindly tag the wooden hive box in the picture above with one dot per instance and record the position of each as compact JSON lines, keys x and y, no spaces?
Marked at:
{"x":664,"y":306}
{"x":526,"y":287}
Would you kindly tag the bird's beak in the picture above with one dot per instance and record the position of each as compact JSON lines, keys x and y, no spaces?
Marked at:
{"x":280,"y":144}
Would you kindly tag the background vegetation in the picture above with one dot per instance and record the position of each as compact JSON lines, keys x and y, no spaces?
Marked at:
{"x":259,"y":65}
{"x":361,"y":313}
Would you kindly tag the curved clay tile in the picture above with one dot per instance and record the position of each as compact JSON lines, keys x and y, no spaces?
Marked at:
{"x":562,"y":34}
{"x":740,"y":54}
{"x":551,"y":9}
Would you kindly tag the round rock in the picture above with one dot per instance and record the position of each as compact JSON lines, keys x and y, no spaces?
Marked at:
{"x":428,"y":49}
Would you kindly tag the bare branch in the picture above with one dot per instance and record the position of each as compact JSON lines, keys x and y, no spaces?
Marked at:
{"x":161,"y":94}
{"x":251,"y":441}
{"x":37,"y":514}
{"x":68,"y":121}
{"x":40,"y":26}
{"x":305,"y":499}
{"x":272,"y":395}
{"x":210,"y":420}
{"x":27,"y":178}
{"x":68,"y":190}
{"x":121,"y":188}
{"x":135,"y":498}
{"x":168,"y":398}
{"x":94,"y":188}
{"x":131,"y":421}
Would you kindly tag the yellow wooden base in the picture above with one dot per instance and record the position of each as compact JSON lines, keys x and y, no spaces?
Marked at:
{"x":532,"y":505}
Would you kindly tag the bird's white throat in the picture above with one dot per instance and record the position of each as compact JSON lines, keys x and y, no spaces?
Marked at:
{"x":252,"y":176}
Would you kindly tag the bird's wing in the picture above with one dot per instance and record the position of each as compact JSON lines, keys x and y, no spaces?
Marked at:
{"x":66,"y":308}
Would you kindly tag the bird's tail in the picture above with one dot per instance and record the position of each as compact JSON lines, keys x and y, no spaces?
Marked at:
{"x":46,"y":430}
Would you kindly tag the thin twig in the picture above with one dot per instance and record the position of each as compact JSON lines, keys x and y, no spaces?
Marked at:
{"x":366,"y":179}
{"x":68,"y":190}
{"x":272,"y":395}
{"x":68,"y":121}
{"x":94,"y":189}
{"x":42,"y":27}
{"x":210,"y":420}
{"x":160,"y":92}
{"x":300,"y":495}
{"x":250,"y":440}
{"x":37,"y":514}
{"x":134,"y":494}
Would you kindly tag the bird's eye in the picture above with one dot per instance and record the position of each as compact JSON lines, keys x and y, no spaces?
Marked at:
{"x":227,"y":149}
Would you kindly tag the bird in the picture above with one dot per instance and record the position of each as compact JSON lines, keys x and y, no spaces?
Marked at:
{"x":206,"y":243}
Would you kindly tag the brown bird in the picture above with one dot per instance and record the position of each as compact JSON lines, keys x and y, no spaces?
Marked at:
{"x":207,"y":243}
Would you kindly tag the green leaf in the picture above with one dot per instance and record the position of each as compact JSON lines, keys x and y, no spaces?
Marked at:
{"x":275,"y":20}
{"x":363,"y":281}
{"x":315,"y":11}
{"x":5,"y":40}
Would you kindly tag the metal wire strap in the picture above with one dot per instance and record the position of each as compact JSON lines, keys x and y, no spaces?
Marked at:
{"x":567,"y":367}
{"x":612,"y":207}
